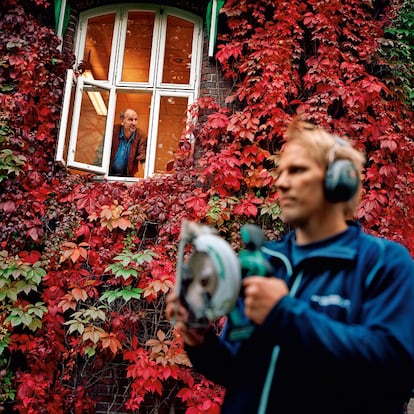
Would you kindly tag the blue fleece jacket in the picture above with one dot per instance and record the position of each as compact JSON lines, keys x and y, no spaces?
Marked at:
{"x":342,"y":342}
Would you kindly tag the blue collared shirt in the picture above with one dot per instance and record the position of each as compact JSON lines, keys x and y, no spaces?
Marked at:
{"x":120,"y":164}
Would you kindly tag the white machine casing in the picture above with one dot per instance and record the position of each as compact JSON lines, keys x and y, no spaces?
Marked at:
{"x":228,"y":270}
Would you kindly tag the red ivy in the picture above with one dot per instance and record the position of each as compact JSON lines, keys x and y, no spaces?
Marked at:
{"x":316,"y":57}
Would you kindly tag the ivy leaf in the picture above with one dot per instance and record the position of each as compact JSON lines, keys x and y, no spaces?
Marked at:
{"x":126,"y":294}
{"x":74,"y":251}
{"x":218,"y":120}
{"x":131,"y":293}
{"x":79,"y":294}
{"x":161,"y":344}
{"x":8,"y":207}
{"x":90,"y":351}
{"x":92,"y":333}
{"x":67,"y":302}
{"x":75,"y":325}
{"x":120,"y":271}
{"x":22,"y":286}
{"x":156,"y":286}
{"x":35,"y":274}
{"x":30,"y":257}
{"x":110,"y":341}
{"x":145,"y":257}
{"x":10,"y":293}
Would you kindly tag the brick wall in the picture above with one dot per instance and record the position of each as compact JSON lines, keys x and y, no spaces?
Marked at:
{"x":212,"y":82}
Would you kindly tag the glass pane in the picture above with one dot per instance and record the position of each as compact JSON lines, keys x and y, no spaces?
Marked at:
{"x":137,"y":55}
{"x":92,"y":122}
{"x":178,"y":48}
{"x":170,"y":128}
{"x":131,"y":116}
{"x":98,"y":46}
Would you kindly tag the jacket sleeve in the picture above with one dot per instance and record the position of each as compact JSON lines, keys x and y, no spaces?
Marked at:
{"x":142,"y":147}
{"x":378,"y":347}
{"x":212,"y":359}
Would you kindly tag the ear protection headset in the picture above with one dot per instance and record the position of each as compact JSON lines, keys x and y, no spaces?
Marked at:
{"x":342,"y":178}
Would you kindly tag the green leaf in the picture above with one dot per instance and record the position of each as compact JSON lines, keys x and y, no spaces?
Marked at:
{"x":38,"y":309}
{"x":35,"y":274}
{"x":26,"y":319}
{"x":35,"y":324}
{"x":11,"y":162}
{"x":22,"y":286}
{"x":74,"y":326}
{"x":14,"y":319}
{"x":110,"y":295}
{"x":126,"y":294}
{"x":133,"y":293}
{"x":90,"y":351}
{"x":124,"y":258}
{"x":4,"y":343}
{"x":7,"y":87}
{"x":120,"y":271}
{"x":12,"y":294}
{"x":145,"y":257}
{"x":94,"y":314}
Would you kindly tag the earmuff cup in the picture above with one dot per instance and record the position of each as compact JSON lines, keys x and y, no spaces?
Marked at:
{"x":341,"y":180}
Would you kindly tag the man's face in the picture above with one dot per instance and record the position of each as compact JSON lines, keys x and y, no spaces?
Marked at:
{"x":129,"y":122}
{"x":300,"y":186}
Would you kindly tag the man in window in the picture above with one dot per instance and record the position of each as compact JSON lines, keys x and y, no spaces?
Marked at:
{"x":128,"y":147}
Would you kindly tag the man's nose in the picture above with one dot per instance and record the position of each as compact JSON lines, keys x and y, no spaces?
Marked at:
{"x":282,"y":180}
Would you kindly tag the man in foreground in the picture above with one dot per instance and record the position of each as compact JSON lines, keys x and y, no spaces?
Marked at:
{"x":334,"y":327}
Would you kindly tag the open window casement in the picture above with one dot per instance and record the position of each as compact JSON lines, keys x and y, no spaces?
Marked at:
{"x":86,"y":126}
{"x":91,"y":129}
{"x":147,"y":59}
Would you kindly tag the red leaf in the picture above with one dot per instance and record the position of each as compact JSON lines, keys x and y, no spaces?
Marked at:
{"x":218,"y":120}
{"x":8,"y":207}
{"x":30,"y":257}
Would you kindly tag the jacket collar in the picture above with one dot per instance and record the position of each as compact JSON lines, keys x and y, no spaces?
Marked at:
{"x":343,"y":246}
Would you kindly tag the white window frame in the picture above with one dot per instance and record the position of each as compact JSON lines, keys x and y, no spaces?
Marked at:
{"x":60,"y":149}
{"x":114,"y":84}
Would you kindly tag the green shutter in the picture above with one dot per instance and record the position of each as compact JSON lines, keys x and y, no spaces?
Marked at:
{"x":210,"y":30}
{"x":66,"y":16}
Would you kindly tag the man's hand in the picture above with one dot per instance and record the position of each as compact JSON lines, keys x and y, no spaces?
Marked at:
{"x":261,"y":295}
{"x":179,"y":315}
{"x":140,"y":169}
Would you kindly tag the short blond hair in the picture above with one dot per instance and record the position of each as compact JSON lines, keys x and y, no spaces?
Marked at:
{"x":323,"y":147}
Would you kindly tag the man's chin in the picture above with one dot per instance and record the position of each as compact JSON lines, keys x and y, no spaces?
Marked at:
{"x":291,"y":219}
{"x":286,"y":216}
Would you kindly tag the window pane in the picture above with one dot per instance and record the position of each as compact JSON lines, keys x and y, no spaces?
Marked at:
{"x":170,"y":128}
{"x":92,"y":122}
{"x":138,"y":42}
{"x":98,"y":46}
{"x":140,"y":103}
{"x":178,"y":48}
